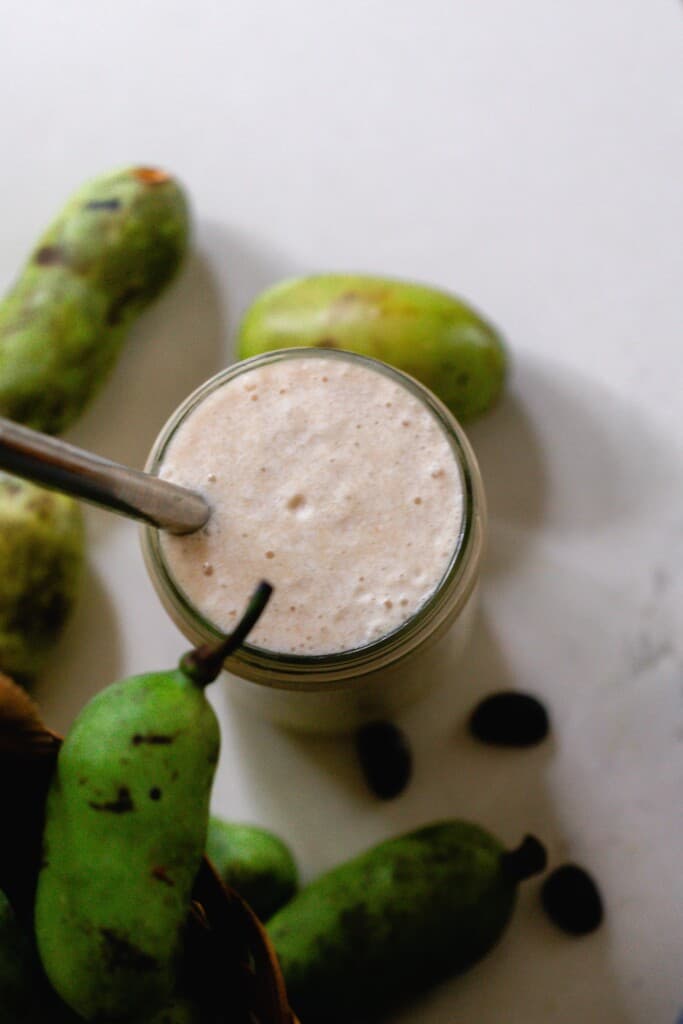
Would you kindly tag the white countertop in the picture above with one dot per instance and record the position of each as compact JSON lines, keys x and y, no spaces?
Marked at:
{"x":528,"y":157}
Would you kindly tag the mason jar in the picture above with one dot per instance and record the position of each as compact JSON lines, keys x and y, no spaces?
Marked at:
{"x":336,"y":692}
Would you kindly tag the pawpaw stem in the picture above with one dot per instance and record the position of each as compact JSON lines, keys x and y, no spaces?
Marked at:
{"x":530,"y":858}
{"x":204,"y":663}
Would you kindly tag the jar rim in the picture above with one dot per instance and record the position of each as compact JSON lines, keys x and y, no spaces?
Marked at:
{"x":305,"y":671}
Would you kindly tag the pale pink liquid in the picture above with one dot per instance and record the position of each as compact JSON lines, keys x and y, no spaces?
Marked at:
{"x":331,"y":481}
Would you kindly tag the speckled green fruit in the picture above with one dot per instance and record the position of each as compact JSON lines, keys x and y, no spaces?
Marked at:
{"x":376,"y":931}
{"x":255,"y":862}
{"x":113,"y":248}
{"x":25,"y":996}
{"x":126,"y":822}
{"x":429,"y":334}
{"x":41,"y":558}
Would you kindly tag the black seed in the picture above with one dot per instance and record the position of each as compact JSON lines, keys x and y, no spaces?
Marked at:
{"x":510,"y":719}
{"x":155,"y":793}
{"x":571,"y":900}
{"x":385,"y":758}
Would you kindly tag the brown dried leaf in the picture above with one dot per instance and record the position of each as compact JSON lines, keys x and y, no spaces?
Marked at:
{"x":244,"y":960}
{"x":28,"y":754}
{"x":22,"y":731}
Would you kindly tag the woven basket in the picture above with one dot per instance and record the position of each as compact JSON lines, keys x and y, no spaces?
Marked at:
{"x":230,"y":965}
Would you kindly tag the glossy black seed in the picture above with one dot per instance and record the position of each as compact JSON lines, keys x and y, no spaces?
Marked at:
{"x":571,"y":900}
{"x":510,"y":719}
{"x":385,"y":758}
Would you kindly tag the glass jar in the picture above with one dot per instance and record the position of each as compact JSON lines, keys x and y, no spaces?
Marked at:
{"x":337,"y":692}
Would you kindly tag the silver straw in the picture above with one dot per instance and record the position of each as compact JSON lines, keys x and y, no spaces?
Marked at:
{"x":82,"y":474}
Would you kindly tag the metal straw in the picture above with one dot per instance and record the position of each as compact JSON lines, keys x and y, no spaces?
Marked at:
{"x":82,"y":474}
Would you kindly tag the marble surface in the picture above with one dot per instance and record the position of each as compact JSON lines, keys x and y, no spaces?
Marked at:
{"x":530,"y":158}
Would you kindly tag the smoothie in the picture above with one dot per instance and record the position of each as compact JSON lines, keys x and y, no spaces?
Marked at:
{"x":328,"y":478}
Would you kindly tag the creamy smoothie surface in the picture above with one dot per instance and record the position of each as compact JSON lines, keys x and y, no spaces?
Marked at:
{"x":331,"y":481}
